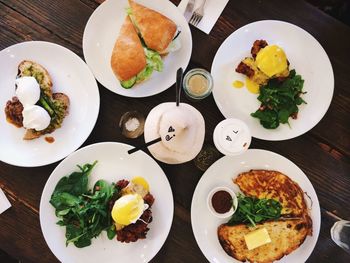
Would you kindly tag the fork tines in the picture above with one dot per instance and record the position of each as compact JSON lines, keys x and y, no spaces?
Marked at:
{"x":195,"y":19}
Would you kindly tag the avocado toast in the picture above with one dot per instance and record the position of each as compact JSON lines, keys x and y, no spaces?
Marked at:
{"x":56,"y":104}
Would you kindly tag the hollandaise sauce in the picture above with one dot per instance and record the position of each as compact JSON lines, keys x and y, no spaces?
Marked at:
{"x":252,"y":86}
{"x":238,"y":84}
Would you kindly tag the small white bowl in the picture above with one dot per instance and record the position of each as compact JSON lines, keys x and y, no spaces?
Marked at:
{"x":234,"y":198}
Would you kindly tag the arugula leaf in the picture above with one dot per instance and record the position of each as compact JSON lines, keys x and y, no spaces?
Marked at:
{"x":84,"y":212}
{"x":279,"y":100}
{"x":253,"y":210}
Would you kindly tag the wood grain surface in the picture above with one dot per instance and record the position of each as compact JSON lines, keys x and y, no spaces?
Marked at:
{"x":323,"y":153}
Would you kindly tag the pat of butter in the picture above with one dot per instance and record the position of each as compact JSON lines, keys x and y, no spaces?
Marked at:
{"x":257,"y":238}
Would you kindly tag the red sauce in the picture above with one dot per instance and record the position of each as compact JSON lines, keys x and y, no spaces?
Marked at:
{"x":222,"y":202}
{"x":49,"y":139}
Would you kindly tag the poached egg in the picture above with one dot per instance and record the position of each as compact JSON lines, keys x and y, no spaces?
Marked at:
{"x":271,"y":60}
{"x":128,"y":209}
{"x":35,"y":117}
{"x":27,"y":91}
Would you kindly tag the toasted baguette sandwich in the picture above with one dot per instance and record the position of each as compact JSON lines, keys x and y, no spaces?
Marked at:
{"x":57,"y":104}
{"x":285,"y":235}
{"x":128,"y":56}
{"x":131,"y":61}
{"x":144,"y":36}
{"x":156,"y":30}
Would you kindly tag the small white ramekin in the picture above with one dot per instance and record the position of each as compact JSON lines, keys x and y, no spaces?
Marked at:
{"x":234,"y":198}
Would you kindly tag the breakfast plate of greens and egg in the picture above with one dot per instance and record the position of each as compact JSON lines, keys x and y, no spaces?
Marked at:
{"x":275,"y":77}
{"x":101,"y":202}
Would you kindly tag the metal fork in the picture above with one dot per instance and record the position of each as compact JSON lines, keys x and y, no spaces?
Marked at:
{"x":197,"y":14}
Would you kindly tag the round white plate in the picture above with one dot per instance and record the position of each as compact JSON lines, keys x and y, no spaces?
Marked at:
{"x":305,"y":55}
{"x":221,"y":173}
{"x":101,"y":32}
{"x":114,"y":163}
{"x":71,"y":76}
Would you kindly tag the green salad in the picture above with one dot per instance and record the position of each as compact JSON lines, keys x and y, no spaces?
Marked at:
{"x":280,"y":101}
{"x":252,"y":210}
{"x":83,"y":211}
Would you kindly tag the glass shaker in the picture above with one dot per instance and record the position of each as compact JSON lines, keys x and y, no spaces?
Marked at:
{"x":340,"y":233}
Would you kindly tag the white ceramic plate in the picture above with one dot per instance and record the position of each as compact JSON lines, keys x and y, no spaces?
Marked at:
{"x":101,"y":32}
{"x":71,"y":76}
{"x":305,"y":55}
{"x":114,"y":163}
{"x":221,"y":173}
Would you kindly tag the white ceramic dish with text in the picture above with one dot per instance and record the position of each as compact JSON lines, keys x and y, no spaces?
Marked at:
{"x":221,"y":173}
{"x":101,"y":32}
{"x":71,"y":76}
{"x":114,"y":163}
{"x":305,"y":55}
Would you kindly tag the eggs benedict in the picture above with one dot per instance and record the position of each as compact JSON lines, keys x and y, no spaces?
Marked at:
{"x":131,"y":211}
{"x":272,"y":61}
{"x":267,"y":62}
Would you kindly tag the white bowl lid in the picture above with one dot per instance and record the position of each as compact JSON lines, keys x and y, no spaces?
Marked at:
{"x":232,"y":137}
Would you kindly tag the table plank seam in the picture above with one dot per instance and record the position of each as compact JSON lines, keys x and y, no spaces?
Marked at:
{"x":334,"y":151}
{"x":79,"y":47}
{"x":14,"y":197}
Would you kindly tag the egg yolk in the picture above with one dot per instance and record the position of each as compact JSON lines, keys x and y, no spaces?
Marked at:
{"x":127,"y":209}
{"x":271,"y":60}
{"x":141,"y":181}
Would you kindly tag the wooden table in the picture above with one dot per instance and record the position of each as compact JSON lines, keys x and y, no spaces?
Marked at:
{"x":322,"y":153}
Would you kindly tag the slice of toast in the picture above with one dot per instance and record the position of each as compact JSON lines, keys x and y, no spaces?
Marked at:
{"x":33,"y":69}
{"x":286,"y":236}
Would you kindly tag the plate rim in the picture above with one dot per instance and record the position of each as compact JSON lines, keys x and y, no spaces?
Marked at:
{"x":115,"y":91}
{"x":278,"y":156}
{"x":282,"y":138}
{"x":55,"y":45}
{"x":115,"y":144}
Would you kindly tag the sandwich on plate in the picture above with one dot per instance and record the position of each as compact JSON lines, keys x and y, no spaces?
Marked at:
{"x":145,"y":36}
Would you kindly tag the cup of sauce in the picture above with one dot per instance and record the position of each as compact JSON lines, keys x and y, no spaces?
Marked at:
{"x":222,"y":202}
{"x":198,"y":83}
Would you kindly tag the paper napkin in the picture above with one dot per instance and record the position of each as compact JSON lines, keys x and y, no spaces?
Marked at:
{"x":212,"y":11}
{"x":4,"y":202}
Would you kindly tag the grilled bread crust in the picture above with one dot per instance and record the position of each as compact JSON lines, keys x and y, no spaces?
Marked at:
{"x":286,"y":236}
{"x":156,"y":29}
{"x":128,"y":57}
{"x":32,"y":67}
